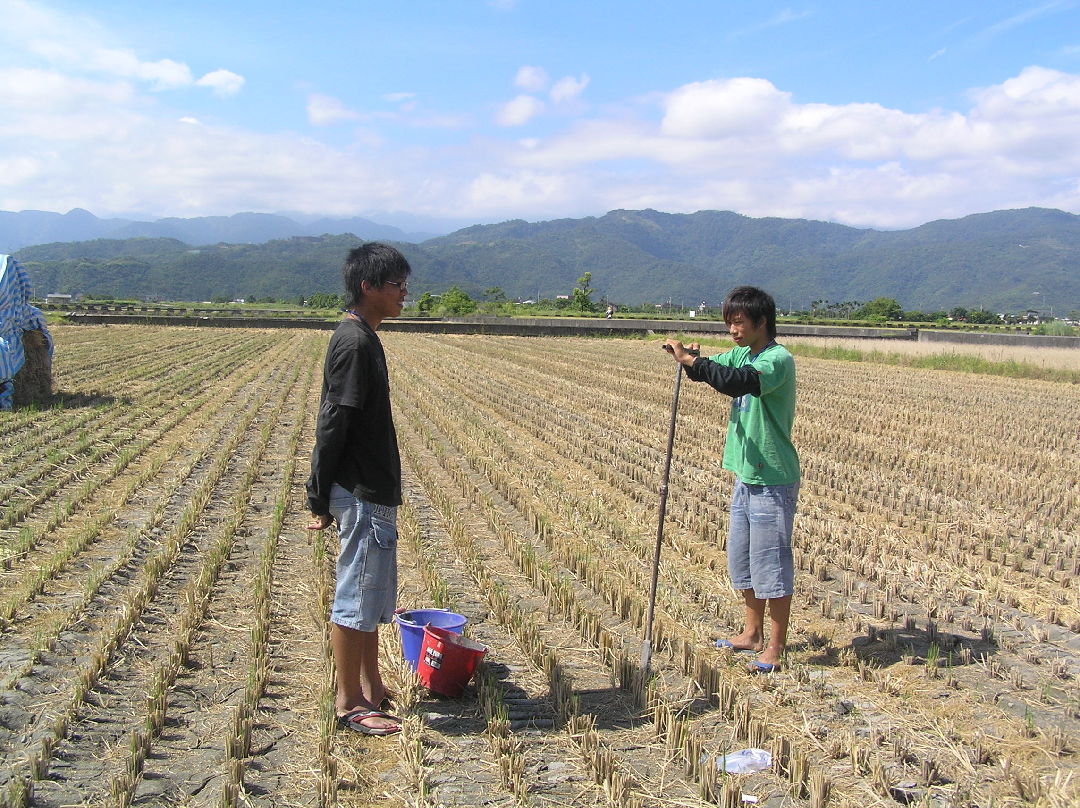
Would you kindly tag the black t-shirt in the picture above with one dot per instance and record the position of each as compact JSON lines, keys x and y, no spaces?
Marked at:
{"x":355,"y":443}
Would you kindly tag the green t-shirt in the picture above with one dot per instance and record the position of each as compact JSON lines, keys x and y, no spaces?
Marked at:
{"x":758,"y":447}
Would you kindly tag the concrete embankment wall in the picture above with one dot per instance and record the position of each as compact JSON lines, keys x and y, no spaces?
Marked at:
{"x":988,"y":338}
{"x":592,"y":327}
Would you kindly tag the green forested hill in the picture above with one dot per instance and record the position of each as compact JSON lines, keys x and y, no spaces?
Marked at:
{"x":1005,"y":260}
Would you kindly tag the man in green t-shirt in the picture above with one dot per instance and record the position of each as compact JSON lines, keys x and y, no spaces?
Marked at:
{"x":759,"y":375}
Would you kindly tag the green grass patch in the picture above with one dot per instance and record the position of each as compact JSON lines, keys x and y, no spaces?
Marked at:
{"x":957,"y":362}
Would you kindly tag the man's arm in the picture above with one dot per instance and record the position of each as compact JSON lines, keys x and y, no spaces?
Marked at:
{"x":734,"y":382}
{"x":331,"y":434}
{"x":731,"y":381}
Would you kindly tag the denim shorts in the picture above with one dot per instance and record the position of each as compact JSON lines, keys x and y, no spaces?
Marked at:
{"x":366,"y":590}
{"x":759,"y":539}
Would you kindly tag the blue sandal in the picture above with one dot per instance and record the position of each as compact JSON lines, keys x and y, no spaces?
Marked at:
{"x":763,"y":667}
{"x":728,"y":645}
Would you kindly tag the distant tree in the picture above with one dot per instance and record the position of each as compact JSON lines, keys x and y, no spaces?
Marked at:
{"x":495,"y":301}
{"x":455,"y":301}
{"x":582,"y":298}
{"x":425,"y":303}
{"x":958,"y":313}
{"x":836,"y":311}
{"x":884,"y":308}
{"x":982,"y":316}
{"x":324,"y":300}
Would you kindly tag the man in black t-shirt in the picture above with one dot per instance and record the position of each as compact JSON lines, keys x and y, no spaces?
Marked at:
{"x":356,"y":481}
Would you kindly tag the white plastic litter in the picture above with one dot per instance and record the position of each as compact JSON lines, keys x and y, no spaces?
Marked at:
{"x":744,"y":761}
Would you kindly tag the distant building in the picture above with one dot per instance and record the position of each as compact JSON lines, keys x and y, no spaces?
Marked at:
{"x":58,"y":299}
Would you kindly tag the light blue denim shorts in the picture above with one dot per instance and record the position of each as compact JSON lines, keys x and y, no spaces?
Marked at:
{"x":366,"y":590}
{"x":759,"y":539}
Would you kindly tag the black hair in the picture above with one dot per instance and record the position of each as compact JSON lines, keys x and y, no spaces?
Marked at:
{"x":753,"y":303}
{"x":372,"y":262}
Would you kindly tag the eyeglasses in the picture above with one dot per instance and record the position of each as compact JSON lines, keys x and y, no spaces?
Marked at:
{"x":402,"y":285}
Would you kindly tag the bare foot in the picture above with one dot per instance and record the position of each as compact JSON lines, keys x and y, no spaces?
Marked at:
{"x":771,"y":655}
{"x":383,"y":702}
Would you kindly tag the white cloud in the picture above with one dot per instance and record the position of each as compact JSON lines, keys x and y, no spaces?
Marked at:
{"x":1037,"y":93}
{"x":222,"y":82}
{"x":325,"y":110}
{"x":744,"y":144}
{"x":719,"y":108}
{"x":531,"y":79}
{"x":18,"y":170}
{"x":26,"y":89}
{"x":519,"y":111}
{"x":164,"y":74}
{"x":25,"y":22}
{"x":568,"y":89}
{"x":513,"y":190}
{"x":75,"y":43}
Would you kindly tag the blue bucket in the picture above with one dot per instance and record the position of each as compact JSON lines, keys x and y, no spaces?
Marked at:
{"x":411,"y":627}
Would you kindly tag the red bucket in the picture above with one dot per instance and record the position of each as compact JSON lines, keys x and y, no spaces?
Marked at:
{"x":447,"y":661}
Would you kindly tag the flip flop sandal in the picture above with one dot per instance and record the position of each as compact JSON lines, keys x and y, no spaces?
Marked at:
{"x":722,"y":644}
{"x":354,"y":720}
{"x":762,"y":667}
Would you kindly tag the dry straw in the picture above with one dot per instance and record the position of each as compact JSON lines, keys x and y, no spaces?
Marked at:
{"x":33,"y":382}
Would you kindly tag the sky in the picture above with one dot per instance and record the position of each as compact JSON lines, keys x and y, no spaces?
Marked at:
{"x":435,"y":114}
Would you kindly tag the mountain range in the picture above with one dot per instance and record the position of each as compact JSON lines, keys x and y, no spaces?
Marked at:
{"x":29,"y":227}
{"x":1003,"y":260}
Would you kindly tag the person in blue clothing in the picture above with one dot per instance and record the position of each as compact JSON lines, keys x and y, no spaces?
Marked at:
{"x":759,"y":375}
{"x":18,"y":318}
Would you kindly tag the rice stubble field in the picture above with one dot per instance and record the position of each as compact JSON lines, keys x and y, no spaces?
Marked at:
{"x":163,"y":609}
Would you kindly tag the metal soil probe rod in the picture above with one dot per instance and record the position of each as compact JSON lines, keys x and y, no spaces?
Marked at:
{"x":646,"y":647}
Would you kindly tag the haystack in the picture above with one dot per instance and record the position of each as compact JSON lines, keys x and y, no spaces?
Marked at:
{"x":33,"y":382}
